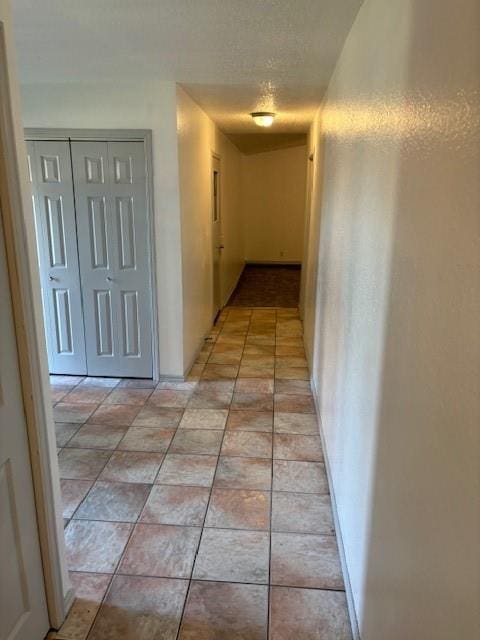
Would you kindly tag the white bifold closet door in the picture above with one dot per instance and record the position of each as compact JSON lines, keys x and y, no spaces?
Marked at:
{"x":114,"y":252}
{"x":94,"y":245}
{"x":51,"y":179}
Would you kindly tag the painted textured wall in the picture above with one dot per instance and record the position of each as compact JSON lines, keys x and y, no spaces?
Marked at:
{"x":273,"y":204}
{"x":198,"y":138}
{"x":195,"y":136}
{"x":393,"y":315}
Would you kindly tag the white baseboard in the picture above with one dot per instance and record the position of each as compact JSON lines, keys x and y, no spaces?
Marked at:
{"x":167,"y":378}
{"x":192,"y":362}
{"x":341,"y":549}
{"x":68,"y":601}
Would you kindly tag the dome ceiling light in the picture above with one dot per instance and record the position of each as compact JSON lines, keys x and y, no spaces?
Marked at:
{"x":263,"y":118}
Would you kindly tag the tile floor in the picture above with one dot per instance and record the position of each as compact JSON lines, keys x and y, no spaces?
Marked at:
{"x":200,"y":509}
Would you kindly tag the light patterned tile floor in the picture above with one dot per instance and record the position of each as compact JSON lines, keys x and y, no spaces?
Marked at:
{"x":200,"y":509}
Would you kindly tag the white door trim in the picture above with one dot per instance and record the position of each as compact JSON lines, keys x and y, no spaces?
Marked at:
{"x":121,"y":135}
{"x":215,"y":156}
{"x":307,"y":230}
{"x":25,"y":289}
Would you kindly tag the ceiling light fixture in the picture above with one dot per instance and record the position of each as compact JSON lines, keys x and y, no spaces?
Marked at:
{"x":263,"y":118}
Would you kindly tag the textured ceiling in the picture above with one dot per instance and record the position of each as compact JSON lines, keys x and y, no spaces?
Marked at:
{"x":232,"y":56}
{"x":250,"y":143}
{"x":230,"y":105}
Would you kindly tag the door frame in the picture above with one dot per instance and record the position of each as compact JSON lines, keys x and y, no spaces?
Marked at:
{"x":23,"y":275}
{"x":307,"y":230}
{"x":120,"y":135}
{"x":215,"y":156}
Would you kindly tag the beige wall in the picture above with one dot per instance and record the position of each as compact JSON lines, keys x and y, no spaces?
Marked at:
{"x":396,"y":349}
{"x":195,"y":139}
{"x":198,"y":138}
{"x":273,"y":204}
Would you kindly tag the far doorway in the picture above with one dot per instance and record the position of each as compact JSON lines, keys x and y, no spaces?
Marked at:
{"x":217,"y":240}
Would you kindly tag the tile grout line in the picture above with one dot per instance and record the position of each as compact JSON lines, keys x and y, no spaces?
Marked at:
{"x":134,"y":527}
{"x":201,"y":526}
{"x":269,"y":592}
{"x":115,"y":572}
{"x":174,"y":432}
{"x":200,"y":538}
{"x":195,"y":454}
{"x":200,"y":486}
{"x":167,"y":577}
{"x":134,"y":524}
{"x":261,"y":584}
{"x":122,"y":555}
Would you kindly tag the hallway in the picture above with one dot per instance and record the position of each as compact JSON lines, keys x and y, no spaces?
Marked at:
{"x":200,"y":509}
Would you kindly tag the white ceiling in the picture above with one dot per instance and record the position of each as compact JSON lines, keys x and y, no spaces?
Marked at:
{"x":250,"y":143}
{"x":232,"y":56}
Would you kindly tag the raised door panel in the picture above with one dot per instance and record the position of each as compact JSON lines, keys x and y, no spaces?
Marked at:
{"x":14,"y":602}
{"x":97,"y":228}
{"x":23,"y":608}
{"x":103,"y":323}
{"x":63,"y":321}
{"x":55,"y":225}
{"x":55,"y":221}
{"x":125,"y":217}
{"x":130,"y":324}
{"x":94,"y":168}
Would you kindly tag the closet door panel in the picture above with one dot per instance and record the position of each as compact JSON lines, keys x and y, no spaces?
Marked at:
{"x":113,"y":240}
{"x":134,"y":303}
{"x":95,"y":248}
{"x":52,"y":185}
